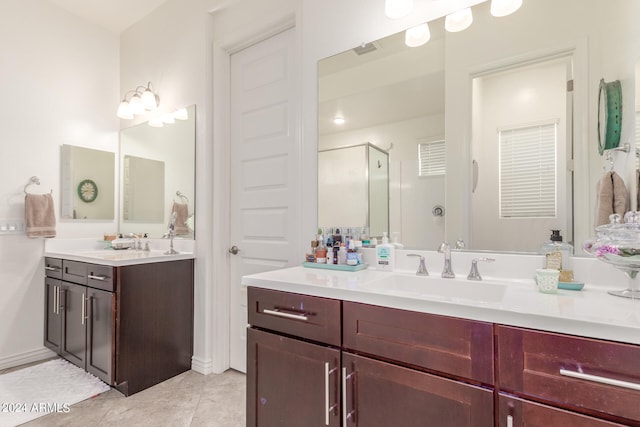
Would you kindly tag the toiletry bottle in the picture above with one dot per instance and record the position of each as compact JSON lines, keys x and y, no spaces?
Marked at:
{"x":342,"y":254}
{"x":352,"y":255}
{"x":385,"y":253}
{"x":321,"y":251}
{"x":558,"y":256}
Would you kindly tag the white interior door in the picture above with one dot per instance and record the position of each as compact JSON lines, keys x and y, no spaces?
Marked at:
{"x":514,"y":98}
{"x":264,"y":211}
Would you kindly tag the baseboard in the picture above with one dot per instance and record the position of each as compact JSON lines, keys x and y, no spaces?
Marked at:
{"x":26,"y":357}
{"x":202,"y":366}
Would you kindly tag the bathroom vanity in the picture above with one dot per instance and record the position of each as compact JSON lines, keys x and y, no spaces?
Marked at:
{"x":126,"y":317}
{"x":369,"y":348}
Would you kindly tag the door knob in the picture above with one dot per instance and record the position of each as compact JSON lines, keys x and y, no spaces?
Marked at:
{"x":234,"y":250}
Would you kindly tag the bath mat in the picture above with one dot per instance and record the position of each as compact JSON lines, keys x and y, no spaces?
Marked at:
{"x":37,"y":390}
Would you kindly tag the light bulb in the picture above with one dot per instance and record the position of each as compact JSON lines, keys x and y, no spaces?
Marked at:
{"x":501,"y":8}
{"x":459,"y":20}
{"x":149,"y":100}
{"x":338,"y":120}
{"x":395,"y":9}
{"x":168,"y":118}
{"x":136,"y":104}
{"x":156,"y":122}
{"x":124,"y":110}
{"x":417,"y":36}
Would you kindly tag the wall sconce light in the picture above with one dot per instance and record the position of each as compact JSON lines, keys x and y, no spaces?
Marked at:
{"x":339,"y":120}
{"x":501,"y":8}
{"x":458,"y":21}
{"x":142,"y":99}
{"x":396,"y":9}
{"x":417,"y":36}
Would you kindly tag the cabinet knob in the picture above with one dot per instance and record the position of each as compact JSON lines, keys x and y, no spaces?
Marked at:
{"x":233,"y":250}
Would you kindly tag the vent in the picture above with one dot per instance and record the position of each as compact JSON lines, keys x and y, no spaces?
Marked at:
{"x":365,"y":48}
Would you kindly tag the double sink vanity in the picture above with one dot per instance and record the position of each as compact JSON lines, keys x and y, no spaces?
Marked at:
{"x":373,"y":348}
{"x":126,"y":316}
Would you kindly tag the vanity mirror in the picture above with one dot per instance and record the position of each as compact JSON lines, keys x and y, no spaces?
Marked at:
{"x":157,"y":167}
{"x":87,"y":184}
{"x":397,"y":97}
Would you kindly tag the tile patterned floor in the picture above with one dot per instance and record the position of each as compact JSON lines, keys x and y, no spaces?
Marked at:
{"x":189,"y":399}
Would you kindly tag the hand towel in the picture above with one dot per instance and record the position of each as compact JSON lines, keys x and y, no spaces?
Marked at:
{"x":611,"y":197}
{"x":182,"y":214}
{"x":40,"y":217}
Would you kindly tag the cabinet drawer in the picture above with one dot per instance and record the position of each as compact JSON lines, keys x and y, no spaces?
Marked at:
{"x":571,"y":371}
{"x":53,"y":267}
{"x":457,"y":347}
{"x":313,"y":318}
{"x":527,"y":413}
{"x":101,"y":277}
{"x":74,"y":272}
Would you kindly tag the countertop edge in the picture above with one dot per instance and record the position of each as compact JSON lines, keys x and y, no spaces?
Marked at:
{"x":119,"y":263}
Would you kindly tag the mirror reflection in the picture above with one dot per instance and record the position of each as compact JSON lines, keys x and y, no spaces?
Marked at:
{"x":158,"y":178}
{"x":397,"y":97}
{"x":87,"y":183}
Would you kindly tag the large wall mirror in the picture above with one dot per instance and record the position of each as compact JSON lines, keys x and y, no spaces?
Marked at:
{"x":498,"y":79}
{"x":158,"y":177}
{"x":88,"y":182}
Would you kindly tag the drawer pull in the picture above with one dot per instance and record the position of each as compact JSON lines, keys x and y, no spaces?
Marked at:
{"x":509,"y":421}
{"x":103,"y":278}
{"x":51,"y":268}
{"x":328,"y":408}
{"x":599,"y":379}
{"x":346,"y":415}
{"x":279,"y":313}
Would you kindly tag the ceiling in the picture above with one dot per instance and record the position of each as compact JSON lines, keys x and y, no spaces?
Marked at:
{"x":114,"y":15}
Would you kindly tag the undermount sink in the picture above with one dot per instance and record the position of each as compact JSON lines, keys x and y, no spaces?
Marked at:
{"x":438,"y":288}
{"x":127,"y":254}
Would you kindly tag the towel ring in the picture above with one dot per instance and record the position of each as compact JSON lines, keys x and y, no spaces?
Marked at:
{"x":182,"y":196}
{"x":34,"y":180}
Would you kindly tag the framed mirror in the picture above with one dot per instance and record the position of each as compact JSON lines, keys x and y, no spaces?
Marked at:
{"x":397,"y":97}
{"x":88,"y":183}
{"x":157,"y":167}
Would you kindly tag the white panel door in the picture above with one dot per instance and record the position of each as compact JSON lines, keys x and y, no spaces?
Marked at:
{"x":264,"y":151}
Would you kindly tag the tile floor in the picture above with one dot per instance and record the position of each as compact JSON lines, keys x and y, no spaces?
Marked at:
{"x":189,"y":399}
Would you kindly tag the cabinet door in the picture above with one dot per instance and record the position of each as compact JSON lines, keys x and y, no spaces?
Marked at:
{"x":74,"y":323}
{"x":100,"y":305}
{"x":514,"y":412}
{"x":382,"y":394}
{"x":52,"y":315}
{"x":291,"y":382}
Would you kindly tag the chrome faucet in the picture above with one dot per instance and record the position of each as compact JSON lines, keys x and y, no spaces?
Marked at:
{"x":172,"y":233}
{"x":422,"y":269}
{"x":447,"y":272}
{"x":474,"y":274}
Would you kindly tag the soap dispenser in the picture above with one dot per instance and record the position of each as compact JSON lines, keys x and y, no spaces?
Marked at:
{"x":385,"y":254}
{"x":558,"y":256}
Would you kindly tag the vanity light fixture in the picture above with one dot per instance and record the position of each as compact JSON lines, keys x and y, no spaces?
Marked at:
{"x":396,"y":9}
{"x":142,"y":99}
{"x":501,"y":8}
{"x":417,"y":36}
{"x":181,"y":114}
{"x":338,"y":120}
{"x":156,"y":122}
{"x":458,"y":21}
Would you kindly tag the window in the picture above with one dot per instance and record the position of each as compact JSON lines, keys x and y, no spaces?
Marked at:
{"x":431,"y":158}
{"x":528,"y":171}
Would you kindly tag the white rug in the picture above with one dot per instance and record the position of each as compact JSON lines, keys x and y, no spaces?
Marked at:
{"x":41,"y":389}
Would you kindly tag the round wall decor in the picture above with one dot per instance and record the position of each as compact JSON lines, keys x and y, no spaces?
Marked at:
{"x":609,"y":115}
{"x":87,"y":190}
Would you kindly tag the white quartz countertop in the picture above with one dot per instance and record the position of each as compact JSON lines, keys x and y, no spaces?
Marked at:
{"x":92,"y":251}
{"x":590,"y":312}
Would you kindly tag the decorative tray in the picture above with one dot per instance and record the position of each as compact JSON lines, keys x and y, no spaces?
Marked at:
{"x":338,"y":267}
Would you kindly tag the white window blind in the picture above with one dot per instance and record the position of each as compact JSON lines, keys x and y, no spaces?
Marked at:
{"x":528,"y":171}
{"x":431,"y":158}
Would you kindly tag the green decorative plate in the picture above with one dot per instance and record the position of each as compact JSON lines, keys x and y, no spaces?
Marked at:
{"x":87,"y":190}
{"x":609,"y":115}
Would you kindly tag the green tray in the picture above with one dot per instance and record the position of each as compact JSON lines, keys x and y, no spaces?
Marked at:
{"x":337,"y":267}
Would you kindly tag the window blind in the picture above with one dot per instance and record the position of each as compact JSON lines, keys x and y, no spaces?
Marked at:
{"x":431,"y":158}
{"x":528,"y":171}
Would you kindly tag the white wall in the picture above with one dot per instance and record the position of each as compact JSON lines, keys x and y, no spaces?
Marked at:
{"x":58,"y":85}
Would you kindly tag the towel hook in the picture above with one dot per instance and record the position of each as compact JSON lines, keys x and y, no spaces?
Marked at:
{"x":182,"y":196}
{"x":626,"y":148}
{"x":34,"y":180}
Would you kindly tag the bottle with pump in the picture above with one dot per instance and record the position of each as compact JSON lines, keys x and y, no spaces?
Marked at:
{"x":558,"y":256}
{"x":385,"y":254}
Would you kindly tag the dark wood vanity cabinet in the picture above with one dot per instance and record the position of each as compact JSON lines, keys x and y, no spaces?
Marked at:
{"x":381,"y":373}
{"x":131,"y":326}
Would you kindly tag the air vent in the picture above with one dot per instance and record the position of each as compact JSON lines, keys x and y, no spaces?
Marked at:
{"x":365,"y":48}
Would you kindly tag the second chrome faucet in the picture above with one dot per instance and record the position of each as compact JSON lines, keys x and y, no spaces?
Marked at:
{"x":447,"y":271}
